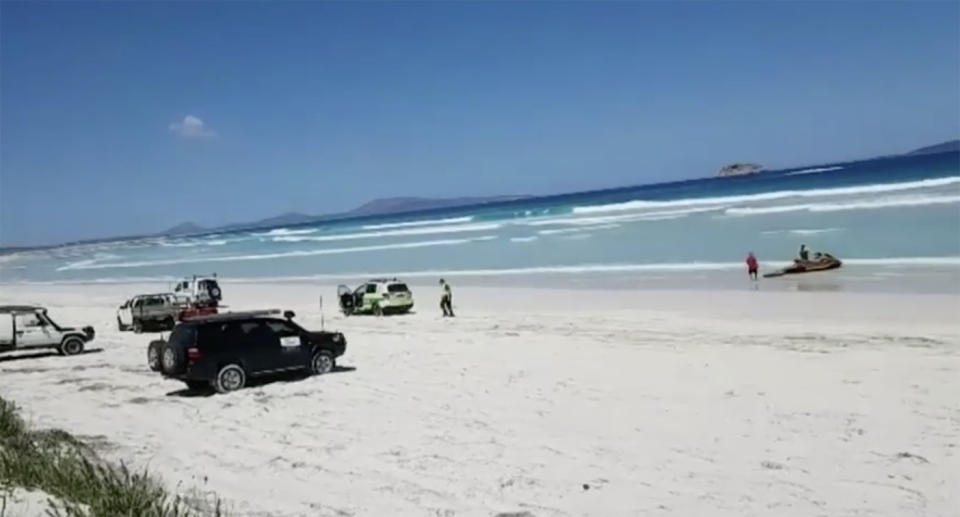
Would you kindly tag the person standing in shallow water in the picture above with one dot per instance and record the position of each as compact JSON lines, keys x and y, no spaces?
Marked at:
{"x":446,"y":299}
{"x":752,"y":266}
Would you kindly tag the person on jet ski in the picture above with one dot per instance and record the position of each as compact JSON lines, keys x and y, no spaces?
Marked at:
{"x":804,"y":254}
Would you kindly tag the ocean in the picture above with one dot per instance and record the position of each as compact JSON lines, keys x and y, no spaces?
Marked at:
{"x":902,"y":210}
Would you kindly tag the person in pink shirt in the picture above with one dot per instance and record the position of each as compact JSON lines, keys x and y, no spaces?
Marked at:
{"x":752,"y":265}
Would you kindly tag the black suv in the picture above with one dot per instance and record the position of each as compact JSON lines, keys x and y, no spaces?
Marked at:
{"x":224,"y":350}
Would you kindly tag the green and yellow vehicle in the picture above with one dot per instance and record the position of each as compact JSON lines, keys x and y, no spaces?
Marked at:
{"x":378,"y":296}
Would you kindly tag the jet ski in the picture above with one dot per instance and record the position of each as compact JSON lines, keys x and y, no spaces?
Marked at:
{"x":822,"y":263}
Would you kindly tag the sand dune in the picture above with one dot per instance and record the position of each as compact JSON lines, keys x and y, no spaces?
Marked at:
{"x":551,"y":402}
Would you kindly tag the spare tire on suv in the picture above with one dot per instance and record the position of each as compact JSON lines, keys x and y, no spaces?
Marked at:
{"x":154,"y":353}
{"x":173,"y":359}
{"x":173,"y":352}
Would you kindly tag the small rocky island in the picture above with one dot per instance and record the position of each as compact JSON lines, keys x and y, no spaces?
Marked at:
{"x":739,"y":169}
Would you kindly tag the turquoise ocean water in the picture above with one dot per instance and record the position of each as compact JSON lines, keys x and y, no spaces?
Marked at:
{"x":899,"y":210}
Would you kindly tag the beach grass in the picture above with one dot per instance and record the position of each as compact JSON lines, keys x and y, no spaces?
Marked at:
{"x":80,"y":484}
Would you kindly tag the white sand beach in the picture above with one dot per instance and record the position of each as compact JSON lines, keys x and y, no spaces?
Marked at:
{"x":553,"y":402}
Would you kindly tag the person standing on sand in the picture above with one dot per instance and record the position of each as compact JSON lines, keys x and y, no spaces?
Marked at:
{"x":803,"y":253}
{"x":752,"y":265}
{"x":446,"y":299}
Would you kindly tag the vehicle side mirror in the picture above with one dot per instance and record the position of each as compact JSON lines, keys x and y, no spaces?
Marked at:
{"x":288,"y":314}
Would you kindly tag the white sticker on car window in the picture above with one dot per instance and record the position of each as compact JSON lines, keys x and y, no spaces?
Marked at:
{"x":290,"y":341}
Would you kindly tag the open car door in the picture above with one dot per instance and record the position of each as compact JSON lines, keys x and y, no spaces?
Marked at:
{"x":346,"y":300}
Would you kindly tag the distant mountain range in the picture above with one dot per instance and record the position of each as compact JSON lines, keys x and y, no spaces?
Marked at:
{"x":945,"y":147}
{"x":384,"y":206}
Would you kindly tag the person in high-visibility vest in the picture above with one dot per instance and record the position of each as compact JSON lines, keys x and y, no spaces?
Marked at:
{"x":446,"y":299}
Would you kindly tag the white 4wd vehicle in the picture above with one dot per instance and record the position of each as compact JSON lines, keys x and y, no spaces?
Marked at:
{"x":200,"y":290}
{"x":28,"y":326}
{"x":146,"y":311}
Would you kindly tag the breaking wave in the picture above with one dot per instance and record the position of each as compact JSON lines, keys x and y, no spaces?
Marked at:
{"x":766,"y":196}
{"x":192,"y":244}
{"x":452,"y":220}
{"x":431,"y":230}
{"x":285,"y":231}
{"x":93,"y":264}
{"x":815,"y":170}
{"x":562,"y":231}
{"x":608,"y":219}
{"x":801,"y":231}
{"x":889,"y":202}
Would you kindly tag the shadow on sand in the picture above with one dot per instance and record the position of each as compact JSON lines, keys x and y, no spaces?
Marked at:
{"x":258,"y":381}
{"x":44,"y":353}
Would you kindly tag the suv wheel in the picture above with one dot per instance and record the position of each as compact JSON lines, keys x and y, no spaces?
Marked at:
{"x":377,"y":310}
{"x":230,"y":378}
{"x":120,"y":326}
{"x":71,"y":346}
{"x":170,"y":360}
{"x":153,"y":355}
{"x":137,"y":326}
{"x":322,"y":362}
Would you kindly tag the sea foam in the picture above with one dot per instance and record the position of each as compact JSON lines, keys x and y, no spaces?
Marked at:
{"x":93,"y":264}
{"x":430,"y":230}
{"x":767,"y":196}
{"x":452,"y":220}
{"x":870,"y":204}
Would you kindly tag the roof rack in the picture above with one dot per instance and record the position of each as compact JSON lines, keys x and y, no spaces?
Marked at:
{"x":21,"y":308}
{"x":227,"y":316}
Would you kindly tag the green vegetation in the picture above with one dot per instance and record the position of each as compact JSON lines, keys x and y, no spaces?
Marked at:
{"x":78,"y":482}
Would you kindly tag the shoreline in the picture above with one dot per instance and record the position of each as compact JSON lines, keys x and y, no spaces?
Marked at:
{"x":927,"y":276}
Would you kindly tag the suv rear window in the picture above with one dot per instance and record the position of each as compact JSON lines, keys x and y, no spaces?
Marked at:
{"x":397,"y":288}
{"x":184,"y":335}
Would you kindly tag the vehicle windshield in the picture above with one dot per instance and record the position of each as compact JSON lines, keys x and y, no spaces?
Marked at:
{"x":397,"y":288}
{"x":44,"y":318}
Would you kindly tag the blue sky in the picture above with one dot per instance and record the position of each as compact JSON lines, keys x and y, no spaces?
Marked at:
{"x":122,"y":118}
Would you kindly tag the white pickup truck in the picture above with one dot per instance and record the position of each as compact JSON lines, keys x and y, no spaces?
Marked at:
{"x":28,"y":326}
{"x":159,"y":311}
{"x":146,"y":311}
